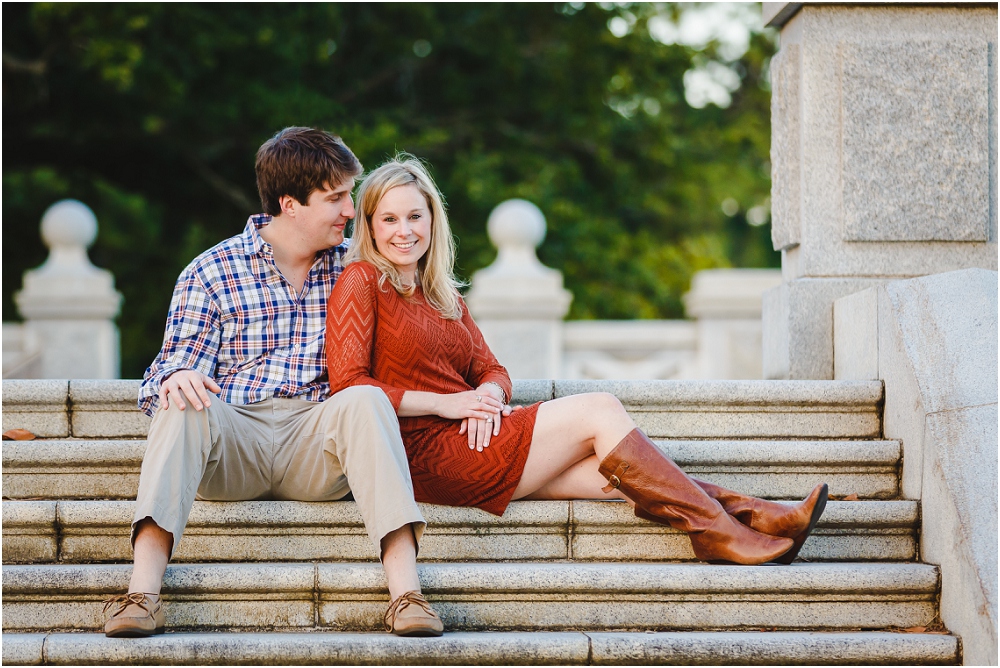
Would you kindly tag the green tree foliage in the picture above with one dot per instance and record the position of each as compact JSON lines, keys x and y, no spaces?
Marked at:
{"x":152,"y":113}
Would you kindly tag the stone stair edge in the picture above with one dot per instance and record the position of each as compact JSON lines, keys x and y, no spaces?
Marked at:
{"x":525,"y":648}
{"x":750,"y":409}
{"x":686,"y":452}
{"x":493,"y":596}
{"x":112,"y":394}
{"x":441,"y":579}
{"x":539,"y":514}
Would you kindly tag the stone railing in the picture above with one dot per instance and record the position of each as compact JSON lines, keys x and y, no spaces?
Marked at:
{"x":69,"y":306}
{"x":520,"y":305}
{"x":883,"y":159}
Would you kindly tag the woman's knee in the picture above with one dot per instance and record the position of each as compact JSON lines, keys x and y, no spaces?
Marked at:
{"x":605,"y":415}
{"x":604,"y":405}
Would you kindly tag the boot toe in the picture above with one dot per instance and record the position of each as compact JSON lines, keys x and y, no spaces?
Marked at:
{"x":818,"y":497}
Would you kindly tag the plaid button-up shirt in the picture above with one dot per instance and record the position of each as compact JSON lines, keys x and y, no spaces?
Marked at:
{"x":234,"y":318}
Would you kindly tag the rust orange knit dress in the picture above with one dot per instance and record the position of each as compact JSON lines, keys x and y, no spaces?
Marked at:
{"x":375,"y":336}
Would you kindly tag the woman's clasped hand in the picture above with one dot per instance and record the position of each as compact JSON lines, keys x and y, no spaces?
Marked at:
{"x":480,"y":412}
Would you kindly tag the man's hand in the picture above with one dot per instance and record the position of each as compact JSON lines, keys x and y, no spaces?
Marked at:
{"x":187,"y":384}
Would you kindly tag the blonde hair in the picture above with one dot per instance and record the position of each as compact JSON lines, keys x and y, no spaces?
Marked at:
{"x":435,"y":268}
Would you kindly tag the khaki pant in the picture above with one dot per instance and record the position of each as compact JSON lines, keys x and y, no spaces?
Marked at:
{"x":280,"y":449}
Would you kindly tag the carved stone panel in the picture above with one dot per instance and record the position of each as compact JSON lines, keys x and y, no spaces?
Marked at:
{"x":915,"y":141}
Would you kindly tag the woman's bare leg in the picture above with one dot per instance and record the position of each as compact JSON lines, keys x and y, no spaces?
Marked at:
{"x":580,"y":481}
{"x":569,"y":431}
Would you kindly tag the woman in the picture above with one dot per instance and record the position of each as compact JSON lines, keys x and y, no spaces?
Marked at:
{"x":397,"y":321}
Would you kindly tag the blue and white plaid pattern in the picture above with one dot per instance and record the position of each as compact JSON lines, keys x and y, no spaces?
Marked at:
{"x":234,"y":318}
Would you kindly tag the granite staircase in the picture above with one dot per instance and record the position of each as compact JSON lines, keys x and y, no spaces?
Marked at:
{"x":551,"y":582}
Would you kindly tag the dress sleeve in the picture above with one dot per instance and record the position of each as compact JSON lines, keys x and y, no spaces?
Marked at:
{"x":485,"y":367}
{"x":191,"y":340}
{"x":351,"y":316}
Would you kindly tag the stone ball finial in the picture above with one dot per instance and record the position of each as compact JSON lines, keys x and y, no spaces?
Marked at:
{"x":516,"y":222}
{"x":69,"y":222}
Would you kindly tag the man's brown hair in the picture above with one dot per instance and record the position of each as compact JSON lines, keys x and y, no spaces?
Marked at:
{"x":297,"y":161}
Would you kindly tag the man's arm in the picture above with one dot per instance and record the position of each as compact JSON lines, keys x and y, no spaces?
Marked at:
{"x":186,"y":364}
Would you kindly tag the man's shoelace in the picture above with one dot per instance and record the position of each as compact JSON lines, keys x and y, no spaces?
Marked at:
{"x":124,"y":600}
{"x":400,"y":604}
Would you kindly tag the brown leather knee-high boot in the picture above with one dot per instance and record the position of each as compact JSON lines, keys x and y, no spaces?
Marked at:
{"x":662,"y":492}
{"x":775,"y":519}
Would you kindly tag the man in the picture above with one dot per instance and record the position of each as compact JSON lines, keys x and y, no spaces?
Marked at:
{"x":246,"y":323}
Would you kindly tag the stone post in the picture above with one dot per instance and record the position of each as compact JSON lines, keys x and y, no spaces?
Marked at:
{"x":884,"y":159}
{"x":726,"y":304}
{"x":518,"y":302}
{"x":68,"y":304}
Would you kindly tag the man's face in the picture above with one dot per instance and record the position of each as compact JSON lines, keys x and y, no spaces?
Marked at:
{"x":321,"y":221}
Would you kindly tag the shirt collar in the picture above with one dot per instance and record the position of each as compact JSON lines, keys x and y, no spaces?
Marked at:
{"x":253,"y":243}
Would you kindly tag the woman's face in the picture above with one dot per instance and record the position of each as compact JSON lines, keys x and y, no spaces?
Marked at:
{"x":401,"y":226}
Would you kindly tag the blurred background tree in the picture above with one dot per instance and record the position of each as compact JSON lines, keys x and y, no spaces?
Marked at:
{"x":641,"y":131}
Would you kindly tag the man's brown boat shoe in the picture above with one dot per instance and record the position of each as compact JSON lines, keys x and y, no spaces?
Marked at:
{"x":134,"y":615}
{"x":411,"y":615}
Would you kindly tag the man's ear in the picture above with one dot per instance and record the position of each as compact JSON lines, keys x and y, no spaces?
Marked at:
{"x":289,"y":205}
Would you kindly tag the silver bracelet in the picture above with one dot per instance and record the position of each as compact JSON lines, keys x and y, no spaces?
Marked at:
{"x":503,"y":395}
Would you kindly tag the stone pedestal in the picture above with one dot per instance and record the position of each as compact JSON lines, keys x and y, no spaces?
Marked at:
{"x":884,"y":159}
{"x":68,"y":304}
{"x":726,"y":303}
{"x":517,"y":302}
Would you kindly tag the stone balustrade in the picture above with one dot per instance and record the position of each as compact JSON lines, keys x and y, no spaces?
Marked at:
{"x":68,"y":306}
{"x":520,"y":304}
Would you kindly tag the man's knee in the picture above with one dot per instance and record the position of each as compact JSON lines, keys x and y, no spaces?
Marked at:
{"x":173,"y":428}
{"x":174,"y":415}
{"x":362,"y":400}
{"x":356,"y":414}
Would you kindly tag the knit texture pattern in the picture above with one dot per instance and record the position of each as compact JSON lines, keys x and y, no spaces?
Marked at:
{"x":375,"y":336}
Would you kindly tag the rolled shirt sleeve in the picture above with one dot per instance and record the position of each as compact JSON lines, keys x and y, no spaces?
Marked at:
{"x":191,"y":340}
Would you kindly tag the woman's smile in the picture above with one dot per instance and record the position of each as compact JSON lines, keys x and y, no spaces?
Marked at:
{"x":401,"y":227}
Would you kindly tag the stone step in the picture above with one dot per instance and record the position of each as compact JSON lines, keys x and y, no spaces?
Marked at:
{"x":463,"y":648}
{"x":109,"y":469}
{"x":663,"y":408}
{"x":492,"y":596}
{"x":97,"y":531}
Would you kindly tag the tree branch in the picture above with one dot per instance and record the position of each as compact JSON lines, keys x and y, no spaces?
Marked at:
{"x":220,"y":185}
{"x":14,"y":64}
